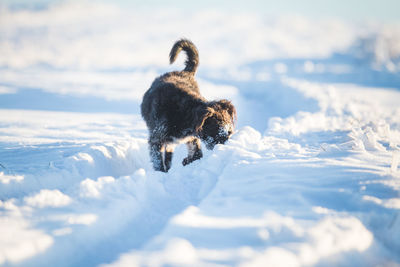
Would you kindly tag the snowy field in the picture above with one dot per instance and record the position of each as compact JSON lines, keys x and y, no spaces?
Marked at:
{"x":310,"y":178}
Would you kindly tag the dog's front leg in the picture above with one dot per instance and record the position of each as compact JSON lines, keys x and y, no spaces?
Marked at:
{"x":156,"y":150}
{"x":169,"y":150}
{"x":194,"y":151}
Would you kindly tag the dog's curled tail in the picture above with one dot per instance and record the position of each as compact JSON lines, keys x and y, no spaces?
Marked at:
{"x":192,"y":60}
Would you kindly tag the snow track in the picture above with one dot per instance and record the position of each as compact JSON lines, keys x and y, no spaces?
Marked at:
{"x":109,"y":187}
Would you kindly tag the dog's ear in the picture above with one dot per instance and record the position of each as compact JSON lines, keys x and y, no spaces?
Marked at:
{"x":201,"y":115}
{"x":228,"y":106}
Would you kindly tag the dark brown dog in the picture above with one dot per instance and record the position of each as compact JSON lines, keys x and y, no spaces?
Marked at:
{"x":175,"y":112}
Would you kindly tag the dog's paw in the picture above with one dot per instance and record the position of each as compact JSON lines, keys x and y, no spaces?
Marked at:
{"x":196,"y":156}
{"x":160,"y":169}
{"x":159,"y":166}
{"x":186,"y":161}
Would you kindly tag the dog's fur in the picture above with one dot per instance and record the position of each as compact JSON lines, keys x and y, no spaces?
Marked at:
{"x":175,"y":112}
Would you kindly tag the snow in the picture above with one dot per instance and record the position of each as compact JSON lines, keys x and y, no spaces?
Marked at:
{"x":310,"y":178}
{"x":48,"y":198}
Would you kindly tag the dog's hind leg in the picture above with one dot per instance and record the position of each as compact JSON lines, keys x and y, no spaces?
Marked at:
{"x":194,"y":151}
{"x":156,"y":150}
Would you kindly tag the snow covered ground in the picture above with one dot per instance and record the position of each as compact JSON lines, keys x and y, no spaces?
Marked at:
{"x":310,"y":178}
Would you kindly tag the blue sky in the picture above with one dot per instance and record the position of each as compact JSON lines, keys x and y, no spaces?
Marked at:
{"x":382,"y":10}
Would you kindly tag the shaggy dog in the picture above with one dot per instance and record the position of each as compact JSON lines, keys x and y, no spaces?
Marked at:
{"x":175,"y":112}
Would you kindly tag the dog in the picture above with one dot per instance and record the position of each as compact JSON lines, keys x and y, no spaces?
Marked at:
{"x":175,"y":112}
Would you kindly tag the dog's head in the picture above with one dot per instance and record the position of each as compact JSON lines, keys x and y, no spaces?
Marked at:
{"x":217,"y":123}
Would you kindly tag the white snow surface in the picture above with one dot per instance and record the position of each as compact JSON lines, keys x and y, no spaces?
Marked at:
{"x":310,"y":177}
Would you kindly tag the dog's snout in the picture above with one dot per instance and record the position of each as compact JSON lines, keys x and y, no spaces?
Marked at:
{"x":221,"y":139}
